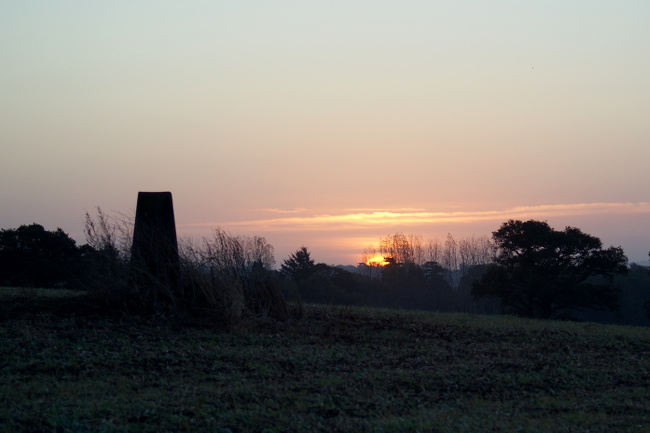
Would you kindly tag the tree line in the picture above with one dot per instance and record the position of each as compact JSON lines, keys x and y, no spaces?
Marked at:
{"x":526,"y":268}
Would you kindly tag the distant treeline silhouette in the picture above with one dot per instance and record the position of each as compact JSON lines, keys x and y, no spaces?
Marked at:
{"x":236,"y":275}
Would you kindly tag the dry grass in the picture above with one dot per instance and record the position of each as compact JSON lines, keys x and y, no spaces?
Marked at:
{"x":220,"y":279}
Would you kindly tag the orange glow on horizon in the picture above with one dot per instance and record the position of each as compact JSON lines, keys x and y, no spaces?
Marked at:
{"x":377,"y":261}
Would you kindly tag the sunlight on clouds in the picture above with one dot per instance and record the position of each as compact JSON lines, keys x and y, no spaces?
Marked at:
{"x":282,"y":210}
{"x":358,"y":220}
{"x":372,"y":210}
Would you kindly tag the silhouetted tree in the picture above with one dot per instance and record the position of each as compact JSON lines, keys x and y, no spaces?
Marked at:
{"x":299,"y":266}
{"x":540,"y":272}
{"x":635,"y":288}
{"x":33,"y":256}
{"x":463,"y":299}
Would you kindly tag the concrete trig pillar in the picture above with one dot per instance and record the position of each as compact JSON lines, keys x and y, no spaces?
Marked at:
{"x":154,"y":254}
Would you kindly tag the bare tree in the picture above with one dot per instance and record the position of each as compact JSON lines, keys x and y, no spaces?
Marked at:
{"x":257,"y":250}
{"x":402,"y":248}
{"x":450,"y":260}
{"x":433,"y":251}
{"x":457,"y":257}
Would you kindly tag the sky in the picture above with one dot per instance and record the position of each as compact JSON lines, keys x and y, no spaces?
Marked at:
{"x":329,"y":124}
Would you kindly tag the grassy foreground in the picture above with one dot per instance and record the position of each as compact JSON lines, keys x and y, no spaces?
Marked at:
{"x":341,"y":369}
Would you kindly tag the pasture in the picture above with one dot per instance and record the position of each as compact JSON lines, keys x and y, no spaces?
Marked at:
{"x":340,"y":369}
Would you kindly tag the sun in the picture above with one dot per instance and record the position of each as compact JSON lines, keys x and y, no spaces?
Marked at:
{"x":377,"y":261}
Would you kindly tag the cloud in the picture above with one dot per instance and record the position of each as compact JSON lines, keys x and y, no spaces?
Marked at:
{"x":404,"y":218}
{"x":399,"y":209}
{"x":281,"y":210}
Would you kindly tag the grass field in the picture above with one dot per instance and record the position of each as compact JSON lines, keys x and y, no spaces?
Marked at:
{"x":340,"y":369}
